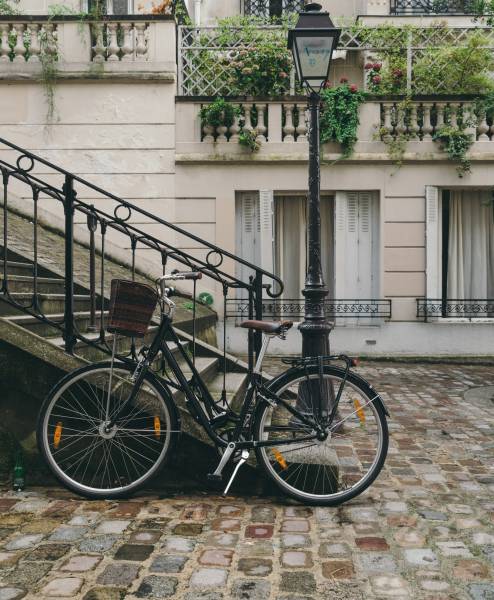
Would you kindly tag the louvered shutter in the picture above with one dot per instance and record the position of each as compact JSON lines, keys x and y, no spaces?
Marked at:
{"x":266,"y":230}
{"x":433,"y":281}
{"x":356,"y":256}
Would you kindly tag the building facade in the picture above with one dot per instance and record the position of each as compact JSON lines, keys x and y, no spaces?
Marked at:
{"x":408,"y":249}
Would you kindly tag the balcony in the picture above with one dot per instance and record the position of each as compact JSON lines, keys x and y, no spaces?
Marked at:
{"x":281,"y":130}
{"x":140,"y":46}
{"x":432,"y":7}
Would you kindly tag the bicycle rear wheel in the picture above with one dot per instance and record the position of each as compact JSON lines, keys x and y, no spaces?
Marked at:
{"x":331,"y":470}
{"x":84,"y":456}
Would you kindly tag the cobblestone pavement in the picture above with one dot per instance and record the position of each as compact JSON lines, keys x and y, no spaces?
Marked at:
{"x":425,"y":530}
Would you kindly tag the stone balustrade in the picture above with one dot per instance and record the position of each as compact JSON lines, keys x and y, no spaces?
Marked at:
{"x":284,"y":121}
{"x":141,"y":39}
{"x":281,"y":129}
{"x":420,"y":120}
{"x":120,"y":41}
{"x":27,"y":42}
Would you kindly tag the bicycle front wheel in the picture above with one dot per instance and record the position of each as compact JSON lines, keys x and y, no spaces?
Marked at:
{"x":80,"y":451}
{"x":322,"y":471}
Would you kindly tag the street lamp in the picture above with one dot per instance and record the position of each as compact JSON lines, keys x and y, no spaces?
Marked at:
{"x":312,"y":43}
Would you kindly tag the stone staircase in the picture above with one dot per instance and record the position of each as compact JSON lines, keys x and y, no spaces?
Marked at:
{"x":33,"y":357}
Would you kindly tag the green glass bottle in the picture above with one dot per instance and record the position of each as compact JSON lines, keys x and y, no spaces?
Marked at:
{"x":19,"y":477}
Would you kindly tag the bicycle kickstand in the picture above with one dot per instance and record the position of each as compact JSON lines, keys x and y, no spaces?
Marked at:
{"x":245,"y":457}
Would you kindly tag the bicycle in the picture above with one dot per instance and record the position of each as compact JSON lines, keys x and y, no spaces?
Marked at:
{"x":319,"y":431}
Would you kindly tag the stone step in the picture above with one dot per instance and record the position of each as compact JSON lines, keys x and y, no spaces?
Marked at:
{"x":25,"y":284}
{"x":82,"y":320}
{"x":48,"y":303}
{"x":17,"y":267}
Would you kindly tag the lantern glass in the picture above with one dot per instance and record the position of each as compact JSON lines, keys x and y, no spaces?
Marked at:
{"x":313,"y":52}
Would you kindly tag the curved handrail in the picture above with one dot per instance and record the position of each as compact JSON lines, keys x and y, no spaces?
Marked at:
{"x":207,"y":268}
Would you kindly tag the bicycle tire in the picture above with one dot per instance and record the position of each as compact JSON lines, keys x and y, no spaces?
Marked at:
{"x":157,"y":402}
{"x":279,"y":471}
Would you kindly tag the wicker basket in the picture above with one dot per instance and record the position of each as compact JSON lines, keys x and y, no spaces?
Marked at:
{"x":131,"y":307}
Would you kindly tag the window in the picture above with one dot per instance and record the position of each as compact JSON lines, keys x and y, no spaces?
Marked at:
{"x":110,"y":7}
{"x":460,"y":252}
{"x":272,"y":8}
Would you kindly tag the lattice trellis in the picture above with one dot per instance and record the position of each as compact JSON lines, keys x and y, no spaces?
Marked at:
{"x":205,"y":52}
{"x":421,"y":7}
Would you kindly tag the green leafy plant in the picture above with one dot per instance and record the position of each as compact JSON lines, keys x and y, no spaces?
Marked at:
{"x":456,"y":143}
{"x":340,"y":116}
{"x":219,"y":113}
{"x":248,"y":139}
{"x":7,"y":8}
{"x":396,"y":142}
{"x":461,"y":69}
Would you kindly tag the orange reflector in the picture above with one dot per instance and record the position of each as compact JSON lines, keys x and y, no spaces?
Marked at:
{"x":57,"y":436}
{"x":280,"y":459}
{"x":359,"y":410}
{"x":157,"y":427}
{"x":354,"y":362}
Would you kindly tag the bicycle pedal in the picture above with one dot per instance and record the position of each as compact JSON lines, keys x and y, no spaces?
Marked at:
{"x":213,"y":477}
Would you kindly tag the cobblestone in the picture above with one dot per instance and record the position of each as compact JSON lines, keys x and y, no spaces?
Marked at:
{"x":423,"y":531}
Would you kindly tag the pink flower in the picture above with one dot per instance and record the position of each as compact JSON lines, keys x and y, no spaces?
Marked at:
{"x":397,"y":73}
{"x":368,"y":66}
{"x":283,"y":75}
{"x":344,"y":80}
{"x":377,"y":66}
{"x":377,"y":79}
{"x":353,"y":88}
{"x":327,"y":85}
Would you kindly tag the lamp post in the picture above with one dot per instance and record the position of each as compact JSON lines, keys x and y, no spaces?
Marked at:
{"x":312,"y":43}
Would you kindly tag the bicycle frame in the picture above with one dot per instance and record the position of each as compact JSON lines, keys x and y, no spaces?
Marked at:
{"x":194,"y":405}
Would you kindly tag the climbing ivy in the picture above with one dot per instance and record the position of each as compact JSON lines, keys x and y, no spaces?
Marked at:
{"x":456,"y":143}
{"x":340,"y":116}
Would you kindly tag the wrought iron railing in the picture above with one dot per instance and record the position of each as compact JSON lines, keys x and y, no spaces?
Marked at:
{"x":425,"y":7}
{"x":280,"y":308}
{"x":105,"y":221}
{"x":272,"y":8}
{"x":465,"y":308}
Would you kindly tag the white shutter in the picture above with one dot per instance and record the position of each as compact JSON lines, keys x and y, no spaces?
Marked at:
{"x":340,"y":243}
{"x":266,"y":230}
{"x":433,"y":279}
{"x":247,"y":232}
{"x":365,"y":247}
{"x":355,"y":245}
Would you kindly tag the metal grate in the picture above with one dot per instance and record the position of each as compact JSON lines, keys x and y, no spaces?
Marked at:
{"x":463,"y":308}
{"x":272,"y":8}
{"x":421,"y":7}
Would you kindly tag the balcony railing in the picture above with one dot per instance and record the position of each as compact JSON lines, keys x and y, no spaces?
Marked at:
{"x":280,"y":308}
{"x":272,"y":8}
{"x":68,"y":40}
{"x":421,"y":119}
{"x":281,"y":128}
{"x":432,"y":7}
{"x":455,"y":309}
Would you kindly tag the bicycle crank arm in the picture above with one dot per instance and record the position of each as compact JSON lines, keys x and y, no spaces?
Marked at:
{"x":245,"y":457}
{"x":217,"y":475}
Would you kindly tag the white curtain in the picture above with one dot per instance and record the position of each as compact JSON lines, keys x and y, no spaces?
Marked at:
{"x":290,"y":227}
{"x":290,"y":242}
{"x":471,"y":245}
